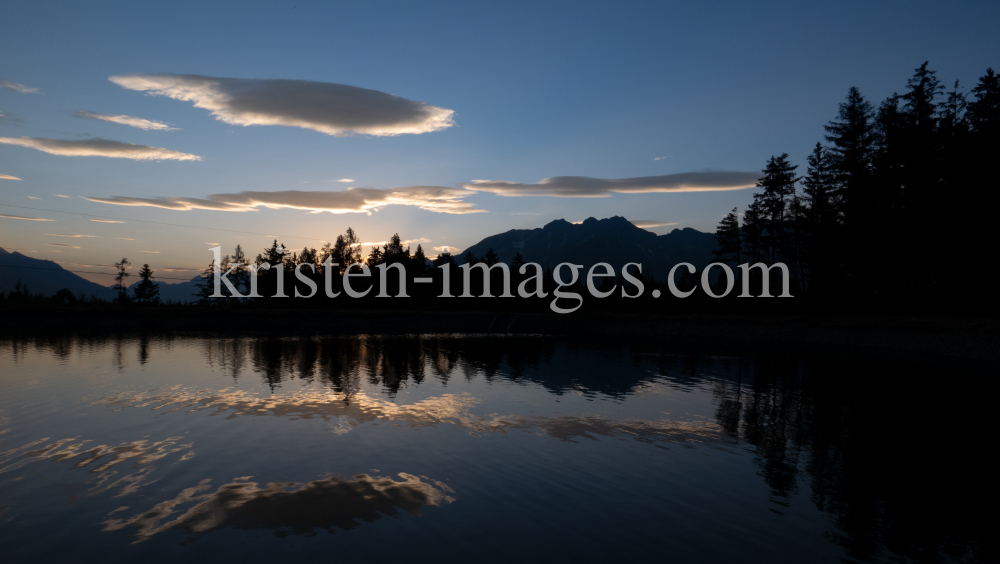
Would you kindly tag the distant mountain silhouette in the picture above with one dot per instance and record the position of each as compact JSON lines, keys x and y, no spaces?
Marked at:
{"x":39,"y":277}
{"x":46,"y":278}
{"x":614,"y":240}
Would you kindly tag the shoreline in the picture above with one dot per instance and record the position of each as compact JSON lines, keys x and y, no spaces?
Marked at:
{"x":968,"y":338}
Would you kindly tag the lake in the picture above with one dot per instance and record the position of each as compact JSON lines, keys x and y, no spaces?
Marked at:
{"x":466,"y":448}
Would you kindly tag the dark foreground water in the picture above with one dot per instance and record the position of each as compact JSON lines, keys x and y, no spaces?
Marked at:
{"x":480,"y":449}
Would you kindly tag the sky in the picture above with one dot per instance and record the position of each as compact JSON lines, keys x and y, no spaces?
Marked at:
{"x":153,"y":131}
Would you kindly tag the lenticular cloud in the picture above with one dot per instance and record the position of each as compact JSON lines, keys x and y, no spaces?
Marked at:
{"x":98,"y":147}
{"x":353,"y":200}
{"x":334,"y":109}
{"x":130,"y":121}
{"x":587,"y":187}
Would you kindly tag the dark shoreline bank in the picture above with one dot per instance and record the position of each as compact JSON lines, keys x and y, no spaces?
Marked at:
{"x":969,"y":338}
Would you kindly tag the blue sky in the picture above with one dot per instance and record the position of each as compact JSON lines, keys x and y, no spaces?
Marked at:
{"x":537,"y":90}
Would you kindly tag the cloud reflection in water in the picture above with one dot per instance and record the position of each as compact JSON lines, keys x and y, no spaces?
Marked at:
{"x":453,"y":409}
{"x":287,"y":507}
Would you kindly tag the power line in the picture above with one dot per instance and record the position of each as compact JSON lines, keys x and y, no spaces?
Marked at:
{"x":161,"y":223}
{"x":84,"y":271}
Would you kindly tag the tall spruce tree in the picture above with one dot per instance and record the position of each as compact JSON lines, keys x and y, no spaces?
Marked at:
{"x":821,"y":224}
{"x":923,"y":196}
{"x":146,"y":291}
{"x":727,"y":235}
{"x":852,"y":139}
{"x":418,"y":262}
{"x":777,"y":187}
{"x":240,"y":276}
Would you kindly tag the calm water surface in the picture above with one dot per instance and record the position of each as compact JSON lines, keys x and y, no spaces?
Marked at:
{"x":478,"y":449}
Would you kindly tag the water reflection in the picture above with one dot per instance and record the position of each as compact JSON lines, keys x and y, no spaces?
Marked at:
{"x":286,"y":507}
{"x":391,"y":362}
{"x":139,"y":452}
{"x":450,"y":409}
{"x":892,"y":453}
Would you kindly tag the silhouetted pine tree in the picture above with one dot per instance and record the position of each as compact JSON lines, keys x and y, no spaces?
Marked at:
{"x":335,"y":254}
{"x":120,"y":286}
{"x":753,"y":231}
{"x":394,"y":247}
{"x":923,"y":187}
{"x":728,"y":237}
{"x":778,"y":186}
{"x":375,"y":256}
{"x":240,"y":276}
{"x":821,"y":224}
{"x":491,"y":258}
{"x":352,"y":248}
{"x":983,"y":115}
{"x":852,"y":139}
{"x":418,"y":262}
{"x":224,"y":265}
{"x":146,"y":291}
{"x":206,"y":286}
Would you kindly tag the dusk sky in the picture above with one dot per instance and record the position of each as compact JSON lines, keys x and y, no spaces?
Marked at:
{"x":439,"y":121}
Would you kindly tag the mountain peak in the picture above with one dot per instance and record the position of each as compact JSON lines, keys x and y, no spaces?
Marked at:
{"x":557,"y":224}
{"x":43,"y":276}
{"x":614,"y":240}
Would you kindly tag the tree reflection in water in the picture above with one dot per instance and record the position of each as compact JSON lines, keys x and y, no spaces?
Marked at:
{"x":892,"y":452}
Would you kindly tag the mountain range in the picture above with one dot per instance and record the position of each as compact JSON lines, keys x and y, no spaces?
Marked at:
{"x":614,"y":240}
{"x":46,"y":278}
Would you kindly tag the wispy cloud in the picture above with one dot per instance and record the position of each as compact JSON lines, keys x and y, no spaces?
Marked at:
{"x":17,"y":87}
{"x":61,"y":245}
{"x":587,"y":187}
{"x":150,"y":252}
{"x":23,"y":217}
{"x":69,"y":235}
{"x":130,"y":121}
{"x":447,"y":249}
{"x":106,"y":221}
{"x":346,"y":180}
{"x":84,"y":265}
{"x":334,"y":109}
{"x":33,"y":198}
{"x":649,"y":223}
{"x":9,"y":177}
{"x":62,"y":196}
{"x":98,"y":147}
{"x":661,"y":158}
{"x":352,"y":200}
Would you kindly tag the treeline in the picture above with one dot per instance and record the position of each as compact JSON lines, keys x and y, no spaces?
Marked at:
{"x":22,"y":295}
{"x":310,"y":275}
{"x":893,"y":207}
